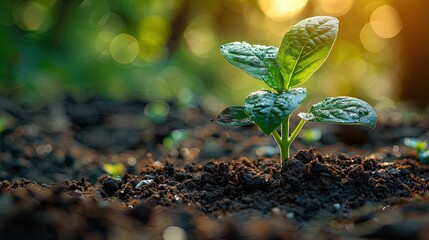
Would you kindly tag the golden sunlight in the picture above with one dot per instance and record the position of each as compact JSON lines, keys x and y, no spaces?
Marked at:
{"x":336,"y":7}
{"x":370,"y":40}
{"x":386,"y":22}
{"x":199,"y":37}
{"x":281,"y":10}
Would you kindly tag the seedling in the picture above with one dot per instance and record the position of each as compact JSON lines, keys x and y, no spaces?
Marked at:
{"x":420,"y":147}
{"x":174,"y":139}
{"x":114,"y":169}
{"x":311,"y":135}
{"x":157,"y":111}
{"x":303,"y":50}
{"x":3,"y":124}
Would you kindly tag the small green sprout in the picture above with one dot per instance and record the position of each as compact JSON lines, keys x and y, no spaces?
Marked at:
{"x":420,"y":146}
{"x":114,"y":169}
{"x":3,"y":124}
{"x":311,"y":135}
{"x":174,"y":139}
{"x":417,"y":144}
{"x":157,"y":111}
{"x":303,"y":50}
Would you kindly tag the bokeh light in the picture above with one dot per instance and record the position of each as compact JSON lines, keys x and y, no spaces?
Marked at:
{"x":199,"y":36}
{"x":124,"y":48}
{"x":97,"y":10}
{"x":336,"y":7}
{"x":386,"y":22}
{"x":31,"y":16}
{"x":103,"y":40}
{"x":174,"y":233}
{"x":370,"y":40}
{"x":282,"y":10}
{"x":153,"y":34}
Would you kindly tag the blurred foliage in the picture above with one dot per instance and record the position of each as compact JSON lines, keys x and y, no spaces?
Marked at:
{"x":114,"y":169}
{"x":311,"y":135}
{"x":160,"y":50}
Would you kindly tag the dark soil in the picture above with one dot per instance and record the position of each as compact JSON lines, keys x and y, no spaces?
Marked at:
{"x":187,"y":178}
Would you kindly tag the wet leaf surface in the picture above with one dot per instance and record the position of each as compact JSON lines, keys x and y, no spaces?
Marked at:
{"x":233,"y":116}
{"x":305,"y":47}
{"x":343,"y":110}
{"x":257,"y":60}
{"x":268,"y":110}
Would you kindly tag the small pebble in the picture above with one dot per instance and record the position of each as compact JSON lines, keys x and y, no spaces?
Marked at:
{"x":174,"y":233}
{"x":276,"y":210}
{"x":143,"y":182}
{"x":337,"y":206}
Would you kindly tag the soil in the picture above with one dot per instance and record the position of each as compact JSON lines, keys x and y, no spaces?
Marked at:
{"x":188,"y":178}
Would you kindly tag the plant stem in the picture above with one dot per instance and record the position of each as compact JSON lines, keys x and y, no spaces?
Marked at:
{"x":284,"y":150}
{"x":285,"y":129}
{"x":279,"y":142}
{"x":297,"y":130}
{"x":284,"y":140}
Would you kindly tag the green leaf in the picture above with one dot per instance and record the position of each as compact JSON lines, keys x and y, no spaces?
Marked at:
{"x":268,"y":110}
{"x":305,"y":47}
{"x":257,"y":60}
{"x":344,"y":110}
{"x":417,"y":144}
{"x":114,"y":169}
{"x":233,"y":116}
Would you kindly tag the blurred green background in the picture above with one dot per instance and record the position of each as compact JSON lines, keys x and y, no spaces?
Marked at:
{"x":169,"y":50}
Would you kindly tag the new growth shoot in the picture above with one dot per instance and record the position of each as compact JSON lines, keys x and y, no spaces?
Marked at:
{"x":303,"y":50}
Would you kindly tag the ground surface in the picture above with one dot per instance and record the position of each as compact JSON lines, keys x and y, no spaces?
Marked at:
{"x":187,"y":177}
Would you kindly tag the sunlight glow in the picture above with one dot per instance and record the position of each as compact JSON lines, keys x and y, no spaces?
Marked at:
{"x":282,"y":10}
{"x":370,"y":40}
{"x":154,"y":32}
{"x":124,"y":48}
{"x":30,"y":16}
{"x":199,"y":37}
{"x":386,"y":22}
{"x":256,"y":23}
{"x":97,"y":10}
{"x":103,"y":40}
{"x":336,"y":7}
{"x":342,"y":85}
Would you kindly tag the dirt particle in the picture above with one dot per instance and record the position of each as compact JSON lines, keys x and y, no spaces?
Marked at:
{"x":169,"y":169}
{"x":292,"y":171}
{"x":312,"y":205}
{"x":110,"y":186}
{"x":210,"y":167}
{"x":207,"y":178}
{"x":306,"y":155}
{"x":343,"y":156}
{"x":370,"y":164}
{"x":180,"y":176}
{"x":318,"y":168}
{"x":189,"y":184}
{"x":141,"y":212}
{"x":160,"y":179}
{"x":250,"y":181}
{"x":293,"y":166}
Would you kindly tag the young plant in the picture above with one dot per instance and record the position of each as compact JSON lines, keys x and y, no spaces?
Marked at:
{"x":114,"y":169}
{"x":421,"y":148}
{"x":311,"y":135}
{"x":303,"y":50}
